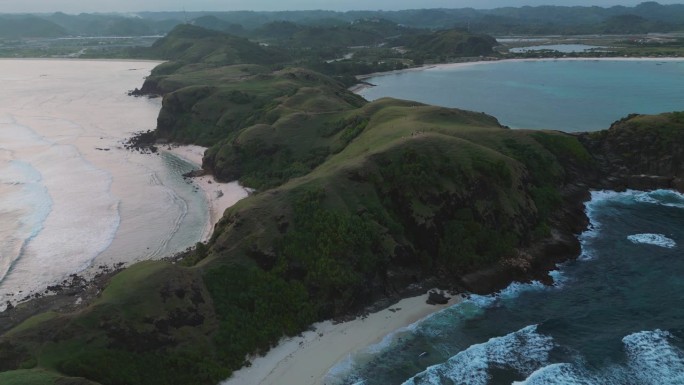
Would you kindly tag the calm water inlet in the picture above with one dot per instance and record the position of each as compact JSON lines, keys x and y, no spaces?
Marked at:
{"x":568,"y":95}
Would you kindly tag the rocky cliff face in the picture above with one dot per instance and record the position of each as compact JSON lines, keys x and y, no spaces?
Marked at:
{"x":640,"y":152}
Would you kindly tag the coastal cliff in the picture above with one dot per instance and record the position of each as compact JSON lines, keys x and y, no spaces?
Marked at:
{"x":355,"y":202}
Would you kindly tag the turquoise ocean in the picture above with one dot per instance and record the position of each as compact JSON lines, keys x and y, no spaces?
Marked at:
{"x":613,"y":316}
{"x":568,"y":95}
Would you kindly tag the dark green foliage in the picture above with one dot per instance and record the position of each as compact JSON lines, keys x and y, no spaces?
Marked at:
{"x":334,"y":251}
{"x":466,"y":240}
{"x":118,"y":367}
{"x":564,"y":146}
{"x":546,"y":178}
{"x":14,"y":357}
{"x":536,"y":162}
{"x":262,"y":166}
{"x":467,"y":245}
{"x":445,"y":45}
{"x":191,"y":44}
{"x":197,"y":254}
{"x":255,"y":308}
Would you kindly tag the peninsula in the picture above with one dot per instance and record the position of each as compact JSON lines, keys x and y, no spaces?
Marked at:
{"x":354,"y":203}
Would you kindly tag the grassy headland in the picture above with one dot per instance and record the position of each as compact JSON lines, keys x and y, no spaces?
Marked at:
{"x":354,"y":202}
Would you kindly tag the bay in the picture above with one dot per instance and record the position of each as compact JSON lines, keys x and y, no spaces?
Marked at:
{"x":567,"y":95}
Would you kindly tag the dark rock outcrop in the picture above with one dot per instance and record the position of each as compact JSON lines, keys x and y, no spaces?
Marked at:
{"x":437,"y":298}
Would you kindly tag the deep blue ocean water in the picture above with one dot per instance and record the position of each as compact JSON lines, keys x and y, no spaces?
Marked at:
{"x":614,"y":316}
{"x":568,"y":95}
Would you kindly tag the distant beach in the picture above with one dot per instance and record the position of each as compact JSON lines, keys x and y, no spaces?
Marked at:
{"x":542,"y":93}
{"x":73,"y":198}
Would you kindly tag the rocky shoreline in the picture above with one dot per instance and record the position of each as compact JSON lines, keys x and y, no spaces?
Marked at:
{"x":532,"y":264}
{"x":70,"y":295}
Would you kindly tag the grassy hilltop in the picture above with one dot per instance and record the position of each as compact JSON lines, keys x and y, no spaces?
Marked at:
{"x":355,"y":202}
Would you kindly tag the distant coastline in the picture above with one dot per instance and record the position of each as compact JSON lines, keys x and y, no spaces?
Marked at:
{"x":363,"y":84}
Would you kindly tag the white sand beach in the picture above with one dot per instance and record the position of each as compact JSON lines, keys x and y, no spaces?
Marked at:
{"x":220,"y":196}
{"x":72,"y":198}
{"x":307,"y":359}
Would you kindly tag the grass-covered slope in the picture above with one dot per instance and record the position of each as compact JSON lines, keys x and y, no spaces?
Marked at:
{"x":659,"y":152}
{"x":355,"y":201}
{"x":403,"y":192}
{"x":27,"y":26}
{"x":191,"y":44}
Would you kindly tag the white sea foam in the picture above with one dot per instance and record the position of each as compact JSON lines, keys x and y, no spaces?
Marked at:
{"x":599,"y":200}
{"x":59,"y":228}
{"x":669,"y":198}
{"x":70,"y":196}
{"x":653,"y":359}
{"x":652,"y":239}
{"x":512,"y":291}
{"x":557,"y":374}
{"x":524,"y":351}
{"x":24,"y":205}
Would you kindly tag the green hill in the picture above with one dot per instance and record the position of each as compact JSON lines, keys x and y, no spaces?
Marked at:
{"x":354,"y":202}
{"x":449,"y":44}
{"x":192,"y":44}
{"x":14,"y":27}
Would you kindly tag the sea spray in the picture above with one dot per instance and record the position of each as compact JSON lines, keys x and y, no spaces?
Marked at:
{"x":591,"y":314}
{"x":523,"y":351}
{"x":652,"y":239}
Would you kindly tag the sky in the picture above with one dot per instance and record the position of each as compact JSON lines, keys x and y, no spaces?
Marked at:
{"x":77,"y":6}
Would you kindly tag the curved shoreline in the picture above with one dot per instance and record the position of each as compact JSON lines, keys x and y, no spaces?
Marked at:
{"x":444,"y":66}
{"x":219,"y":196}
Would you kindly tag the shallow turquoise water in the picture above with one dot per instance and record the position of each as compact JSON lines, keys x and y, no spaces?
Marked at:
{"x":569,"y":95}
{"x":614,"y":316}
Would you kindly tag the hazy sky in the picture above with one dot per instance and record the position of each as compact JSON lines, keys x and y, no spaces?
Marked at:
{"x":75,"y":6}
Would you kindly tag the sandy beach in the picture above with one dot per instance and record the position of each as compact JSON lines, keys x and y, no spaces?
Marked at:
{"x":308,"y":359}
{"x":445,"y":66}
{"x":73,"y":197}
{"x":220,"y":196}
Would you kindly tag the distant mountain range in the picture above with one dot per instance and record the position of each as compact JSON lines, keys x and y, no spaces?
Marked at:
{"x":643,"y":18}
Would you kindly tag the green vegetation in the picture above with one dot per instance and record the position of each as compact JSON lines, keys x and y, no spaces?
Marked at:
{"x":656,"y":135}
{"x":354,"y":200}
{"x":301,"y":25}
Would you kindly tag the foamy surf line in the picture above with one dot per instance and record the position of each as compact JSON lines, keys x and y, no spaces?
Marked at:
{"x":61,"y":233}
{"x":71,"y":197}
{"x":652,"y":239}
{"x":531,"y":359}
{"x":651,"y":359}
{"x":219,"y":196}
{"x":665,"y":198}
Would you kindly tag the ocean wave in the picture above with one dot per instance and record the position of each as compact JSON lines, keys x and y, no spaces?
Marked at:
{"x":512,"y":291}
{"x":24,"y":204}
{"x":653,"y":359}
{"x":523,"y":351}
{"x":61,"y":221}
{"x":557,"y":374}
{"x":652,"y":239}
{"x":669,"y":198}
